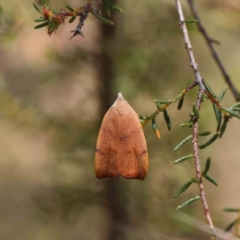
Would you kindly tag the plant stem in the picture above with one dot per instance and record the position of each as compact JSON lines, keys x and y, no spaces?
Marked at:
{"x":199,"y":81}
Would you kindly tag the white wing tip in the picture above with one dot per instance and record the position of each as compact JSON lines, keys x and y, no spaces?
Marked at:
{"x":120,"y":96}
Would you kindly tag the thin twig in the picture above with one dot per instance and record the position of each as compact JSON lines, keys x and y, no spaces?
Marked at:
{"x":215,"y":56}
{"x":83,"y":15}
{"x":199,"y":81}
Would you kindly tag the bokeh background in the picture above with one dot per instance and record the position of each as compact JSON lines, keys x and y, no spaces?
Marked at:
{"x":54,"y":93}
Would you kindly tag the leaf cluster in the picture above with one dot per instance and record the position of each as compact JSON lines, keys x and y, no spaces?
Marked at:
{"x":52,"y":19}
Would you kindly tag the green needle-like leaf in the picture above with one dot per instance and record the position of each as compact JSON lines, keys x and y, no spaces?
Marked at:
{"x":220,"y":97}
{"x":40,"y":20}
{"x":72,"y":19}
{"x":236,"y":105}
{"x":210,"y":179}
{"x":154,"y":127}
{"x":195,"y":111}
{"x":188,"y":202}
{"x":191,"y":20}
{"x":163,"y":101}
{"x":188,"y":124}
{"x":41,"y":25}
{"x":210,"y":90}
{"x":54,"y":11}
{"x":224,"y":126}
{"x":106,"y":4}
{"x":69,"y":8}
{"x":210,"y":141}
{"x":167,"y":119}
{"x":207,"y":167}
{"x":183,"y":189}
{"x":218,"y":115}
{"x":182,"y":143}
{"x":229,"y":227}
{"x":202,"y":134}
{"x":36,"y":7}
{"x":231,"y":209}
{"x":182,"y":159}
{"x":232,"y":113}
{"x":180,"y":103}
{"x":115,"y":7}
{"x":102,"y":19}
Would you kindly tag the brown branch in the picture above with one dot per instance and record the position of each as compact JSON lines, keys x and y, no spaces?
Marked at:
{"x":199,"y":81}
{"x":215,"y":56}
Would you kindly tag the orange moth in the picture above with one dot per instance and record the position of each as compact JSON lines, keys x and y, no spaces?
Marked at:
{"x":121,"y":146}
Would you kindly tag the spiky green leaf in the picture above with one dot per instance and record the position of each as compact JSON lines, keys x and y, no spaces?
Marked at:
{"x":163,"y":101}
{"x":210,"y":90}
{"x":180,"y":103}
{"x":210,"y":179}
{"x":72,"y":19}
{"x":232,"y":113}
{"x":102,"y":19}
{"x":167,"y":119}
{"x":202,"y":134}
{"x":69,"y":8}
{"x":231,"y":209}
{"x":191,"y":20}
{"x":182,"y":143}
{"x":210,"y":141}
{"x":207,"y":166}
{"x":182,"y":159}
{"x":195,"y":111}
{"x":188,"y":202}
{"x":41,"y":25}
{"x":183,"y":188}
{"x":229,"y":227}
{"x":39,"y":20}
{"x":224,"y":126}
{"x":36,"y":7}
{"x":107,"y":5}
{"x":115,"y":7}
{"x":188,"y":124}
{"x":220,"y":97}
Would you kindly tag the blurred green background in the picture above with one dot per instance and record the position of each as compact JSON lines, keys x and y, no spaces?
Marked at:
{"x":54,"y":93}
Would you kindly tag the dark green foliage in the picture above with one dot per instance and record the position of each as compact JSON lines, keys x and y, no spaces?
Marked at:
{"x":102,"y":19}
{"x":41,"y":25}
{"x":230,"y":226}
{"x":224,"y":126}
{"x":183,"y":188}
{"x":206,"y":133}
{"x":210,"y":179}
{"x":180,"y":103}
{"x":220,"y":97}
{"x":231,"y":209}
{"x":210,"y":90}
{"x":210,"y":141}
{"x":167,"y":119}
{"x":188,"y":202}
{"x":179,"y":160}
{"x":207,"y":167}
{"x":182,"y":143}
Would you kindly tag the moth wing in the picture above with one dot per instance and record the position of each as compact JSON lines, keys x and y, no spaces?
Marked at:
{"x":132,"y":159}
{"x":121,"y":146}
{"x":106,"y":150}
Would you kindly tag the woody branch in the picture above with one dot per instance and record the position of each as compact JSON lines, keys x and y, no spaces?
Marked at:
{"x":215,"y":56}
{"x":199,"y":81}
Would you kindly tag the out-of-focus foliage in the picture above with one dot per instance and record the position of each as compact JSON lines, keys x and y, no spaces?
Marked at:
{"x":49,"y":121}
